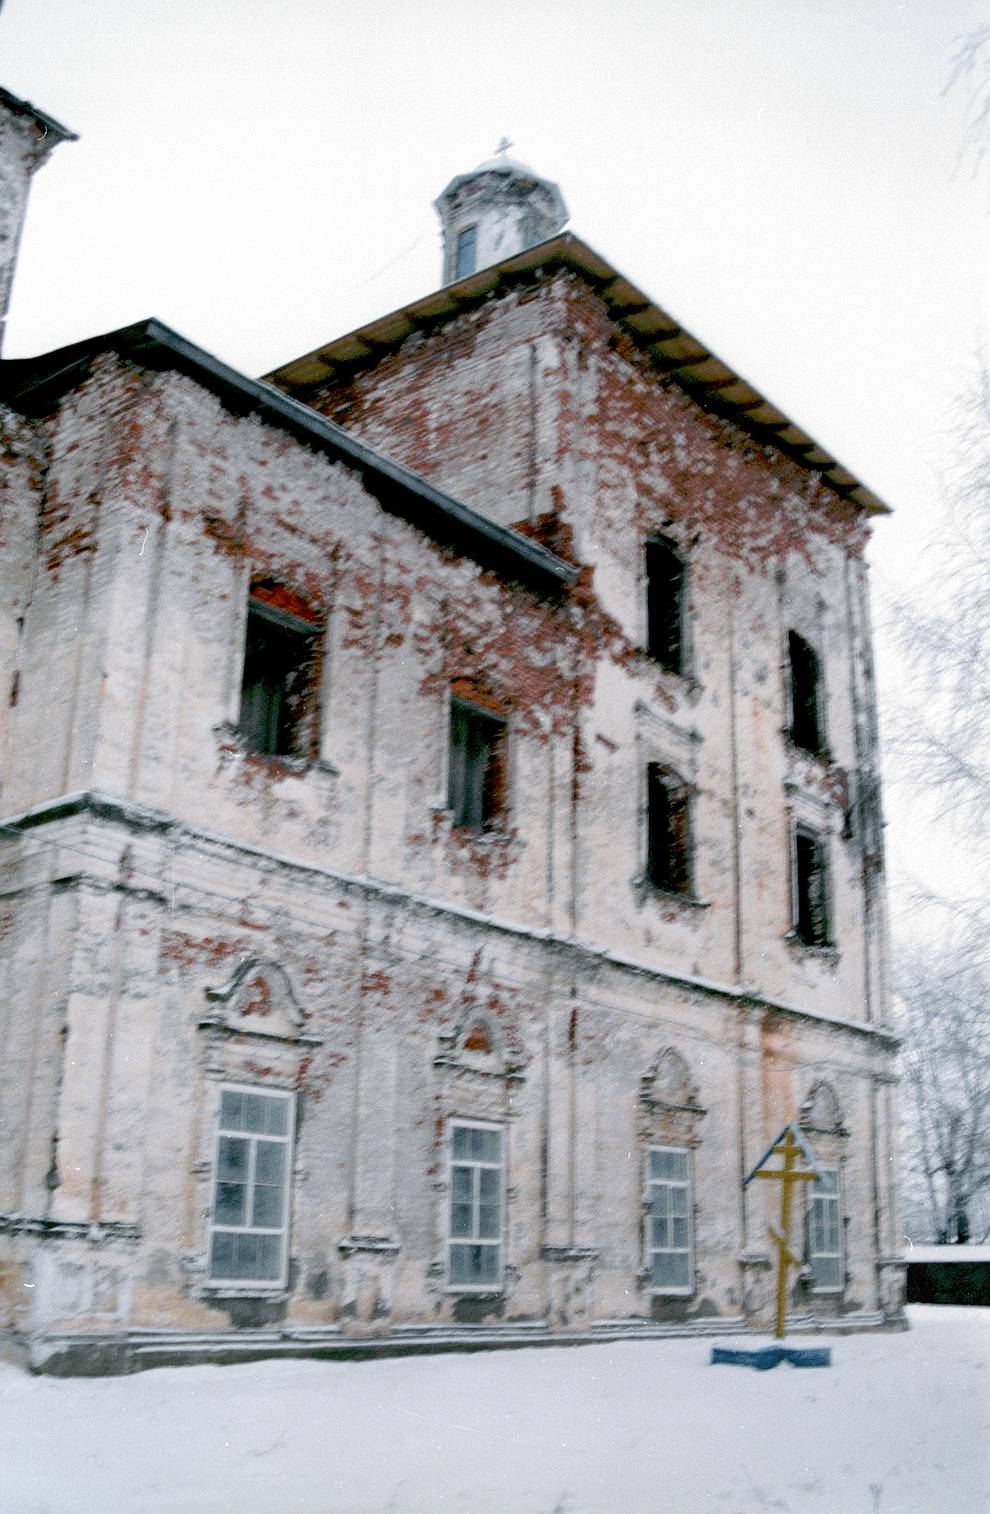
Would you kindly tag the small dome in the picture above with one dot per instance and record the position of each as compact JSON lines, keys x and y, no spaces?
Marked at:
{"x":497,"y":209}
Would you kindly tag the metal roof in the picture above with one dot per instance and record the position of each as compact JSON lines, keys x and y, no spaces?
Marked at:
{"x":671,"y":349}
{"x":32,"y":385}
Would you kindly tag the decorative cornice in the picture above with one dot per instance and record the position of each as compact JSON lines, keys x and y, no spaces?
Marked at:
{"x":123,"y":812}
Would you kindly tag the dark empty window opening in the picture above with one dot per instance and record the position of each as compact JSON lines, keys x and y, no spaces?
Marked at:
{"x":668,"y":849}
{"x":806,"y":713}
{"x":279,"y":685}
{"x":467,"y":252}
{"x":665,"y":583}
{"x":476,"y":772}
{"x":810,"y":889}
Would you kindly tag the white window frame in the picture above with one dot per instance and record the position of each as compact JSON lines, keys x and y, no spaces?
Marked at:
{"x":455,"y":1123}
{"x":252,"y":1285}
{"x":834,"y":1198}
{"x":687,"y":1185}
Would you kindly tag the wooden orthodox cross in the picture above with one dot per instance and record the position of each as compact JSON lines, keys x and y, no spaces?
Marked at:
{"x":799,"y":1166}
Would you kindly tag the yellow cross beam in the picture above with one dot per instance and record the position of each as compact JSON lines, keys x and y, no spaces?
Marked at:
{"x":792,"y":1149}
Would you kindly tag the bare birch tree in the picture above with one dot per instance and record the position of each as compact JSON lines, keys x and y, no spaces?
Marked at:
{"x":940,"y":739}
{"x":945,"y":998}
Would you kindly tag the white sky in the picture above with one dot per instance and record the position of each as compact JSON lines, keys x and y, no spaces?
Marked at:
{"x":783,"y":176}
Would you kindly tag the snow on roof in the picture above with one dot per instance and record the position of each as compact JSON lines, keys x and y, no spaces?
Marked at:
{"x":947,"y":1254}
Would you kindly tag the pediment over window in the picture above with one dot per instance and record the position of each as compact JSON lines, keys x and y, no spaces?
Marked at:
{"x":477,"y":1043}
{"x":258,"y":1000}
{"x":670,"y":1111}
{"x":821,"y":1110}
{"x":669,"y":1082}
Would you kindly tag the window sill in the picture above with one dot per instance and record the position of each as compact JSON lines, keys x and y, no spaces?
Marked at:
{"x":826,"y":952}
{"x":273,"y":1292}
{"x":687,"y":680}
{"x":671,"y":1292}
{"x":498,"y":834}
{"x":824,"y":757}
{"x":495,"y":836}
{"x":646,"y":890}
{"x":232,"y":742}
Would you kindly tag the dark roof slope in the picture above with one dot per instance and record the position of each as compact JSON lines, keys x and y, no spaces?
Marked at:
{"x":48,"y":125}
{"x":32,"y":385}
{"x":670,"y":348}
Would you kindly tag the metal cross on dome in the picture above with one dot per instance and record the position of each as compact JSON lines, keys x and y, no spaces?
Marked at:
{"x":503,"y":147}
{"x":799,"y":1166}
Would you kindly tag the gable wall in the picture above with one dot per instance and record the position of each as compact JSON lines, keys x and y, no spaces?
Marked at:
{"x":535,"y":409}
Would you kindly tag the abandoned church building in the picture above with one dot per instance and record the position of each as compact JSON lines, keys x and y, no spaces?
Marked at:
{"x":441,"y":837}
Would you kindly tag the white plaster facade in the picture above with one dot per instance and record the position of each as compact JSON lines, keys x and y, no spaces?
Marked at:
{"x":183,"y":915}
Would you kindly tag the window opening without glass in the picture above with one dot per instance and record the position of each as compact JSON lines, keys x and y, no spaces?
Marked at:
{"x":669,"y":1237}
{"x":250,"y":1189}
{"x":825,"y":1233}
{"x":811,"y":924}
{"x":467,"y":252}
{"x":277,"y":685}
{"x":806,"y":711}
{"x":668,"y":862}
{"x":476,"y":767}
{"x":665,"y":582}
{"x":475,"y":1240}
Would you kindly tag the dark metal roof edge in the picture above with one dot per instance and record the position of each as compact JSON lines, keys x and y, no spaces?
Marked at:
{"x":444,"y":518}
{"x":40,"y":117}
{"x":567,"y":250}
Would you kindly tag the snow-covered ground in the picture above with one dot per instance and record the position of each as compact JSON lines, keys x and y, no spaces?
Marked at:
{"x":629,"y":1428}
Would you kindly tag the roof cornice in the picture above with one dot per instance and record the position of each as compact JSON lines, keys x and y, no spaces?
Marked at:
{"x":47,"y":124}
{"x":671,"y":349}
{"x":33,"y":385}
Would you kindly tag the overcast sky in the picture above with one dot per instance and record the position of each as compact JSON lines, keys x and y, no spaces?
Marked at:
{"x":783,"y":176}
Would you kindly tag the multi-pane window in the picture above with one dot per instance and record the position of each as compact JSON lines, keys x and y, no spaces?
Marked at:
{"x":474,"y":1248}
{"x":825,"y":1232}
{"x":476,"y":767}
{"x":668,"y":1222}
{"x":810,"y":888}
{"x":467,"y":252}
{"x":668,"y":839}
{"x":666,"y":576}
{"x":807,"y":727}
{"x":277,"y":690}
{"x":251,"y":1187}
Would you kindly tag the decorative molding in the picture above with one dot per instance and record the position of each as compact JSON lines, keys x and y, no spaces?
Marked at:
{"x":592,"y":957}
{"x":496,"y":1055}
{"x":821,"y":1110}
{"x":670,"y":742}
{"x":259,"y":1000}
{"x":668,"y":1084}
{"x":376,"y":1245}
{"x":570,"y":1254}
{"x":94,"y":1231}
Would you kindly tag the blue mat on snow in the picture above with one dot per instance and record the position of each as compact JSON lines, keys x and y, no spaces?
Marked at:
{"x":766,"y":1357}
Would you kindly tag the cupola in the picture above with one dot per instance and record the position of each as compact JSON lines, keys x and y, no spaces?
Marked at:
{"x":499,"y":208}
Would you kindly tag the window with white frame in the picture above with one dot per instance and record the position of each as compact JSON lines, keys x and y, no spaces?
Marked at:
{"x":249,"y":1223}
{"x":467,"y":252}
{"x":474,"y":1247}
{"x":825,"y":1232}
{"x":669,"y":1237}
